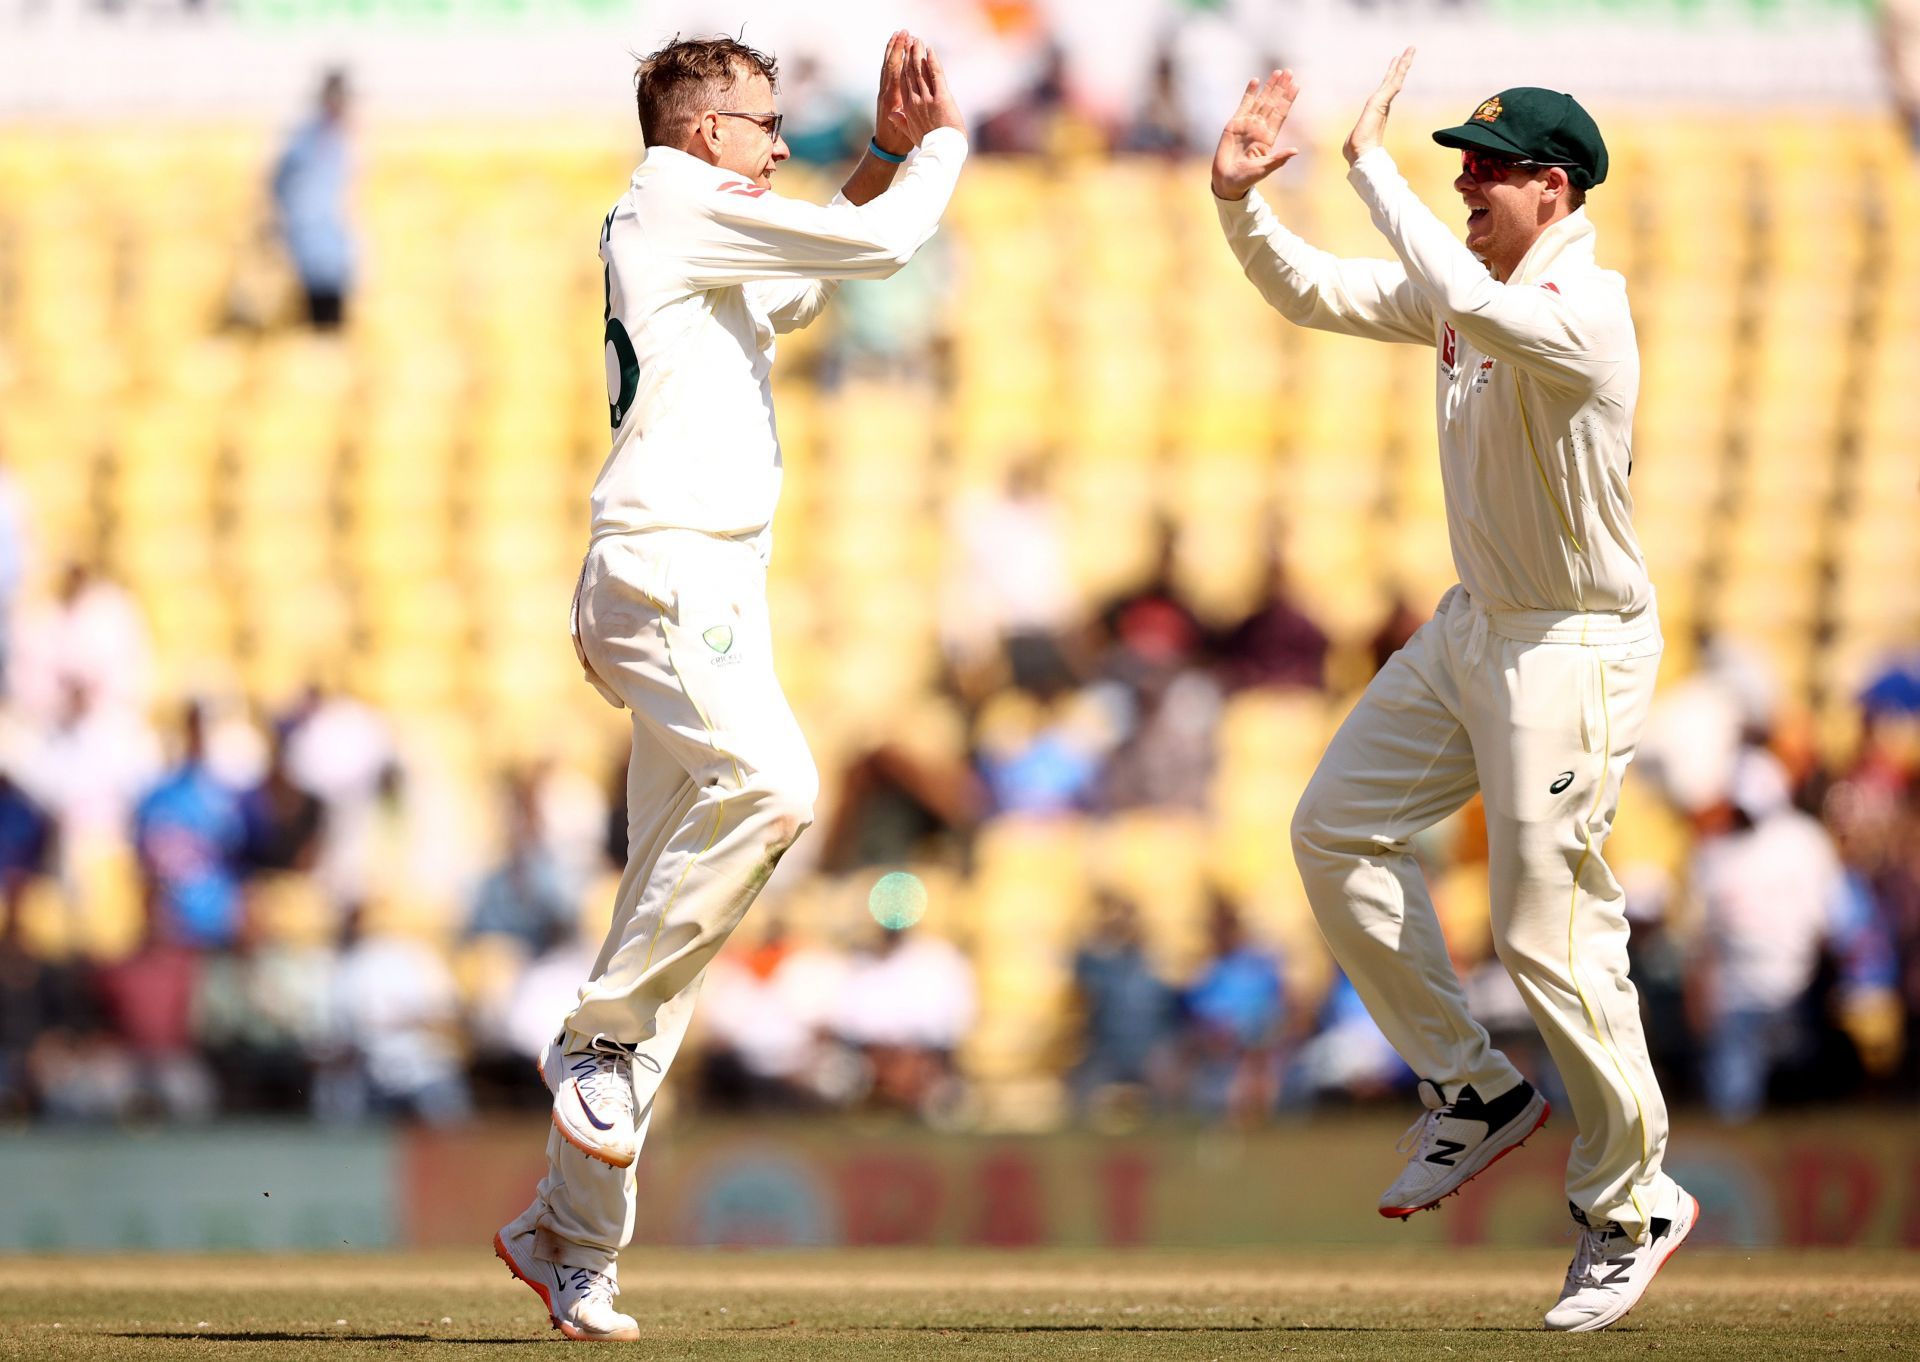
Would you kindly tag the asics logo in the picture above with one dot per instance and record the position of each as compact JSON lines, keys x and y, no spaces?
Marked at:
{"x":1564,"y":779}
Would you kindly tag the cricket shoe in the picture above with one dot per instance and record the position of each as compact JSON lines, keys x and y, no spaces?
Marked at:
{"x":579,"y":1300}
{"x":1454,"y":1142}
{"x":1611,"y":1272}
{"x":592,"y":1101}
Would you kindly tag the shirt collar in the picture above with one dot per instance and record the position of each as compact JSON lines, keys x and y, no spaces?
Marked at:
{"x":673,"y":161}
{"x":1568,"y":241}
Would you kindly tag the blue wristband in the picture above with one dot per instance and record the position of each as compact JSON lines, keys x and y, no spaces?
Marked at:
{"x":885,"y":155}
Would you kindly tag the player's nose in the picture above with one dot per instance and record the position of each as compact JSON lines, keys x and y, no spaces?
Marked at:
{"x":781,"y":151}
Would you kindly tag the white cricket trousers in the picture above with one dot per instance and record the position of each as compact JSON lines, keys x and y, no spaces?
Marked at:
{"x":1540,"y":712}
{"x":673,"y":625}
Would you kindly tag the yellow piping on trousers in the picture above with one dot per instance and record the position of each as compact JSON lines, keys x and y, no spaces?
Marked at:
{"x":1573,"y":973}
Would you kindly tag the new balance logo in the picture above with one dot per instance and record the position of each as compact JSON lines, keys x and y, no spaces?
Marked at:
{"x":1621,"y":1270}
{"x":1443,"y":1152}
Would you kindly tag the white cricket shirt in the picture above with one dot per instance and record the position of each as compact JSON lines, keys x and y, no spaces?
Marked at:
{"x":1535,"y":391}
{"x":703,"y":269}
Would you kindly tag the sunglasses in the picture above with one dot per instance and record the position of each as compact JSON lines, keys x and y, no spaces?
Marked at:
{"x":1486,"y":166}
{"x":769,"y":122}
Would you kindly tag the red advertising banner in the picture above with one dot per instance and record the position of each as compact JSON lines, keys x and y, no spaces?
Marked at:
{"x":1831,"y":1180}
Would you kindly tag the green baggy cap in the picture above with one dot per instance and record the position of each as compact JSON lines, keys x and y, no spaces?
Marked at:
{"x":1535,"y":125}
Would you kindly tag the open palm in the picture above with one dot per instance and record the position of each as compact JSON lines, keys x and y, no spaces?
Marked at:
{"x":1371,"y":130}
{"x":1248,"y":150}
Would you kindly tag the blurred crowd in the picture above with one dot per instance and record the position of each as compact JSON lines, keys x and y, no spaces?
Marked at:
{"x":272,"y":954}
{"x":272,"y":962}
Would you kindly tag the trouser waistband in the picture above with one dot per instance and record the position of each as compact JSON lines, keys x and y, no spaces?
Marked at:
{"x":1567,"y":626}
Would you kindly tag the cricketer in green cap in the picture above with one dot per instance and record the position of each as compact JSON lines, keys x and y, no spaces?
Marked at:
{"x":1524,"y":682}
{"x":1527,"y":158}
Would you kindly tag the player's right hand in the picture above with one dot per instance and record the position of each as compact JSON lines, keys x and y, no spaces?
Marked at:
{"x":1247,"y":153}
{"x":887,"y":132}
{"x":926,"y":101}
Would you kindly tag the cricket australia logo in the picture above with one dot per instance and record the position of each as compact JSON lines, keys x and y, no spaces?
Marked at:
{"x":720,"y":639}
{"x":1488,"y":112}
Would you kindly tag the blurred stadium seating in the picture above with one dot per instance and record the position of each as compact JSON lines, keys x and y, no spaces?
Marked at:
{"x":402,"y":510}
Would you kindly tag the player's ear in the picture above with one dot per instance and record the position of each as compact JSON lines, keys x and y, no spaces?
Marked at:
{"x":1557,"y":185}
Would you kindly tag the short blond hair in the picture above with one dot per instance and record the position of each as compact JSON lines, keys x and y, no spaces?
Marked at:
{"x":672,"y":86}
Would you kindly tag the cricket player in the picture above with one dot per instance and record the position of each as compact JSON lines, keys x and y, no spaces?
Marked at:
{"x":1531,"y":681}
{"x":704,"y":266}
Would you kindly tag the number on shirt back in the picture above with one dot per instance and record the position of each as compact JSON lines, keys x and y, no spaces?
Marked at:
{"x":623,"y":365}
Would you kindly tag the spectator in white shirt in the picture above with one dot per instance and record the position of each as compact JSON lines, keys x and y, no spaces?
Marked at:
{"x":1767,"y":887}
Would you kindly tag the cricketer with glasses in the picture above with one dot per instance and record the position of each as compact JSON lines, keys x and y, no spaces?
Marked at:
{"x":704,"y":266}
{"x":1530,"y":683}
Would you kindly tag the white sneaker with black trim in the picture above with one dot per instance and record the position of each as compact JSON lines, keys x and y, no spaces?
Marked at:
{"x":1454,"y":1142}
{"x":579,"y":1300}
{"x":592,"y":1101}
{"x":1610,"y":1272}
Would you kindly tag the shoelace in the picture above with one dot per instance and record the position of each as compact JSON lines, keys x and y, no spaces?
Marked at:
{"x":1590,"y":1257}
{"x":605,"y":1080}
{"x":1582,"y":1266}
{"x":1414,"y":1143}
{"x":594,"y":1286}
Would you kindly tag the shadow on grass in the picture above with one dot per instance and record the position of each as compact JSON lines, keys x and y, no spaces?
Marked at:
{"x":1205,"y":1329}
{"x":310,"y":1336}
{"x":348,"y":1335}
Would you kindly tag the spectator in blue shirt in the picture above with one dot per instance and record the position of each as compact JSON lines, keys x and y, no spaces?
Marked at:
{"x":1129,"y":1010}
{"x":310,"y":196}
{"x":188,"y":832}
{"x":26,"y":838}
{"x":1236,"y":1011}
{"x":526,"y":897}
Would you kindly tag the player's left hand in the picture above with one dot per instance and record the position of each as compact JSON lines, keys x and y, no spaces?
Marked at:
{"x":887,"y":133}
{"x":1371,"y":130}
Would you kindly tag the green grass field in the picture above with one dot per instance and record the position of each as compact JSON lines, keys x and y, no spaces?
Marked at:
{"x":914,"y":1304}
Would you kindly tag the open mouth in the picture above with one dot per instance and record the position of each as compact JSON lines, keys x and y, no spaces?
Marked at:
{"x":1477,"y":217}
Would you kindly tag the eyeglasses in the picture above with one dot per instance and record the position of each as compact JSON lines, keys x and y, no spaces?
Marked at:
{"x":1485,"y":166}
{"x":769,"y":122}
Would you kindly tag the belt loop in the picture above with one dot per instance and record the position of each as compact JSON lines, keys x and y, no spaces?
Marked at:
{"x":1476,"y":632}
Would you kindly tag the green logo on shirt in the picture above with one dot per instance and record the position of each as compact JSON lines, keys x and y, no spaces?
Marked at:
{"x":719,"y":638}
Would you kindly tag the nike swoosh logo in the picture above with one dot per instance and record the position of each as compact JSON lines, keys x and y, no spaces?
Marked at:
{"x":598,"y":1124}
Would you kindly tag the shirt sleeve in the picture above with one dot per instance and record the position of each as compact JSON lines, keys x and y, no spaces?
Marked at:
{"x":794,"y":304}
{"x":1565,"y":339}
{"x":745,"y":234}
{"x":1312,"y":287}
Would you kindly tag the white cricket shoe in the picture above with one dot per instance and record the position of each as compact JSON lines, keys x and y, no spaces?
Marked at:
{"x":1610,"y":1272}
{"x":1454,"y":1142}
{"x":579,"y":1300}
{"x":592,"y":1101}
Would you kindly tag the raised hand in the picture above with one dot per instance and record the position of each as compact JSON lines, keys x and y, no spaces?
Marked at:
{"x":1371,"y":130}
{"x":926,"y":101}
{"x":1247,"y":153}
{"x":887,"y":133}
